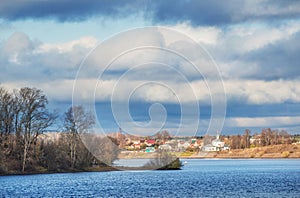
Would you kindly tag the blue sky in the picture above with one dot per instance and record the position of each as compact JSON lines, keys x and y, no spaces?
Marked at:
{"x":253,"y":44}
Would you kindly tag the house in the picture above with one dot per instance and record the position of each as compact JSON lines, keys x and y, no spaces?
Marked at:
{"x":137,"y":146}
{"x":218,"y":143}
{"x":209,"y":147}
{"x":165,"y":147}
{"x":150,"y":142}
{"x":256,"y":139}
{"x":193,"y":141}
{"x":149,"y":149}
{"x":226,"y":148}
{"x":183,"y":145}
{"x":172,"y":143}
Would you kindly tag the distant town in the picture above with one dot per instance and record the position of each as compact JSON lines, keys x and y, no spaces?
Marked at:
{"x":163,"y":140}
{"x":256,"y":145}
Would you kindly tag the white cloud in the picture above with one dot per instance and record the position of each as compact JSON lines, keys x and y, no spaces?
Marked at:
{"x":263,"y":92}
{"x":24,"y":59}
{"x":255,"y":36}
{"x":242,"y":91}
{"x":279,"y":121}
{"x":205,"y":35}
{"x":60,"y":61}
{"x":15,"y":47}
{"x":88,"y":42}
{"x":17,"y":42}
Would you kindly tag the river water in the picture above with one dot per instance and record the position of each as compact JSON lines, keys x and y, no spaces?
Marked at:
{"x":198,"y":178}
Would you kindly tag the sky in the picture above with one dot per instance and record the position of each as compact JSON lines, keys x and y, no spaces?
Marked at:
{"x":189,"y":67}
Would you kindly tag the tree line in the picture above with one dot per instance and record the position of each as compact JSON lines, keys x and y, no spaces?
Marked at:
{"x":25,"y":117}
{"x":267,"y":137}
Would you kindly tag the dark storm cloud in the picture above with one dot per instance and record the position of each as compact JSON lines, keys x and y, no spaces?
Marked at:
{"x":213,"y":12}
{"x":197,"y":12}
{"x":64,"y":10}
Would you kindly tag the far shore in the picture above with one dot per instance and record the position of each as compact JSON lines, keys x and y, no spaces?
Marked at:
{"x":267,"y":152}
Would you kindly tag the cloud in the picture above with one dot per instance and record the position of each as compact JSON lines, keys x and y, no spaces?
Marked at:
{"x":17,"y":43}
{"x":258,"y":51}
{"x":247,"y":92}
{"x":24,"y":59}
{"x":275,"y":121}
{"x":272,"y":60}
{"x":212,"y":12}
{"x":223,"y":12}
{"x":277,"y":60}
{"x":86,"y":42}
{"x":255,"y":124}
{"x":263,"y":92}
{"x":65,"y":10}
{"x":255,"y":43}
{"x":206,"y":35}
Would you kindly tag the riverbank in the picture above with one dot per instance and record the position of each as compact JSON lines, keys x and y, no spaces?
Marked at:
{"x":92,"y":169}
{"x":174,"y":165}
{"x":43,"y":171}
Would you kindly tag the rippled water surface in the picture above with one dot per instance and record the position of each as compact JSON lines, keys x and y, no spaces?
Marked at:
{"x":199,"y":178}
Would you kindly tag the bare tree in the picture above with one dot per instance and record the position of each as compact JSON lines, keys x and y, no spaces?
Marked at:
{"x":77,"y":121}
{"x":236,"y":142}
{"x":285,"y":137}
{"x":6,"y":112}
{"x":33,"y":118}
{"x":165,"y":135}
{"x":247,"y":138}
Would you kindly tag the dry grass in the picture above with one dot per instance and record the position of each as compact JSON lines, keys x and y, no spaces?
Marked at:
{"x":275,"y":151}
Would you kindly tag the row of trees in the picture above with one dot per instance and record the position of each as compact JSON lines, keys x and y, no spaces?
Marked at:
{"x":24,"y":117}
{"x":267,"y":137}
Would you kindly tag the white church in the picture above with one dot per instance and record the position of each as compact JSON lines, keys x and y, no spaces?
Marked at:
{"x":216,"y":145}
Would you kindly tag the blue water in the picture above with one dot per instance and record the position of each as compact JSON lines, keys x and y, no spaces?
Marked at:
{"x":199,"y":178}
